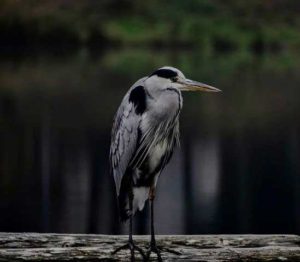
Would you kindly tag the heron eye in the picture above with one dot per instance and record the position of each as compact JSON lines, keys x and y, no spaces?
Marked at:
{"x":174,"y":79}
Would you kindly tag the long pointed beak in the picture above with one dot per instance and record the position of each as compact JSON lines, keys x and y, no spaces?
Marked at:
{"x":191,"y":85}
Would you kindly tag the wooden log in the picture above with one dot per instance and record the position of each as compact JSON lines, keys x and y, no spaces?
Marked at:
{"x":80,"y":247}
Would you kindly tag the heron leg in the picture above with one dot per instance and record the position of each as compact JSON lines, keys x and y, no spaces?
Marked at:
{"x":130,"y":244}
{"x":153,"y":247}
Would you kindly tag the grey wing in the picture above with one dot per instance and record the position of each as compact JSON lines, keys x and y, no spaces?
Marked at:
{"x":124,"y":141}
{"x":124,"y":138}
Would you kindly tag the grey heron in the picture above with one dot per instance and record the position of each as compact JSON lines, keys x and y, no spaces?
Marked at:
{"x":144,"y":134}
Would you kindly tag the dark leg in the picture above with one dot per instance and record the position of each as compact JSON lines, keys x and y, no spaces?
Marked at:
{"x":130,"y":245}
{"x":153,"y":247}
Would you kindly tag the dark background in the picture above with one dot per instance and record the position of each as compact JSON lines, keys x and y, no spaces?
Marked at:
{"x":64,"y":68}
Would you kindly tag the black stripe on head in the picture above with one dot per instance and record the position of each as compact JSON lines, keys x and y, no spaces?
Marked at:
{"x":165,"y":73}
{"x":138,"y":98}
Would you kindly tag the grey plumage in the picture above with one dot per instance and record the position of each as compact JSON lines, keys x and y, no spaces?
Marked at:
{"x":144,"y":134}
{"x":124,"y":137}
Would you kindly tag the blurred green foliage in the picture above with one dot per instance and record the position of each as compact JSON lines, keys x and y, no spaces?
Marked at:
{"x":211,"y":25}
{"x":258,"y":91}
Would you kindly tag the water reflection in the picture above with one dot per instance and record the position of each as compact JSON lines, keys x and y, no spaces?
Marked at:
{"x":237,"y":170}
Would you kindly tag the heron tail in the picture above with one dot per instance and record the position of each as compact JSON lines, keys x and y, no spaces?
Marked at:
{"x":124,"y":210}
{"x":139,"y":197}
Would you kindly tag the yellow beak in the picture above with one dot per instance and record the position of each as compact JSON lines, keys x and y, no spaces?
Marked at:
{"x":191,"y":85}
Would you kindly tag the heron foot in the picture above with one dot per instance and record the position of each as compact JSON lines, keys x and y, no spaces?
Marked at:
{"x":154,"y":248}
{"x":158,"y":250}
{"x":132,"y":247}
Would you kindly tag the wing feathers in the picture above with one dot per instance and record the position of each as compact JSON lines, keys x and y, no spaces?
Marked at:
{"x":124,"y":136}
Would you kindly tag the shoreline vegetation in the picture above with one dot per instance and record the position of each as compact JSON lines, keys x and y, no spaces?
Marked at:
{"x":210,"y":26}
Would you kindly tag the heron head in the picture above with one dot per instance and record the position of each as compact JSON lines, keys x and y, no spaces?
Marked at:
{"x":168,"y":76}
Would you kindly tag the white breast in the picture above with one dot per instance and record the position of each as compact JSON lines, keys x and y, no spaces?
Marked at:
{"x":156,"y":155}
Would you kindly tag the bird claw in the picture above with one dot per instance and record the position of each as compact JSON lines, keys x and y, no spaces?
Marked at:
{"x":132,"y":247}
{"x":158,"y":250}
{"x":153,"y":248}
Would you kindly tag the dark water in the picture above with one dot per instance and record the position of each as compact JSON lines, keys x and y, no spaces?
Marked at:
{"x":237,"y":170}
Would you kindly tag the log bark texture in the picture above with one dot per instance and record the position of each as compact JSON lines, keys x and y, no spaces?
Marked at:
{"x":79,"y":247}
